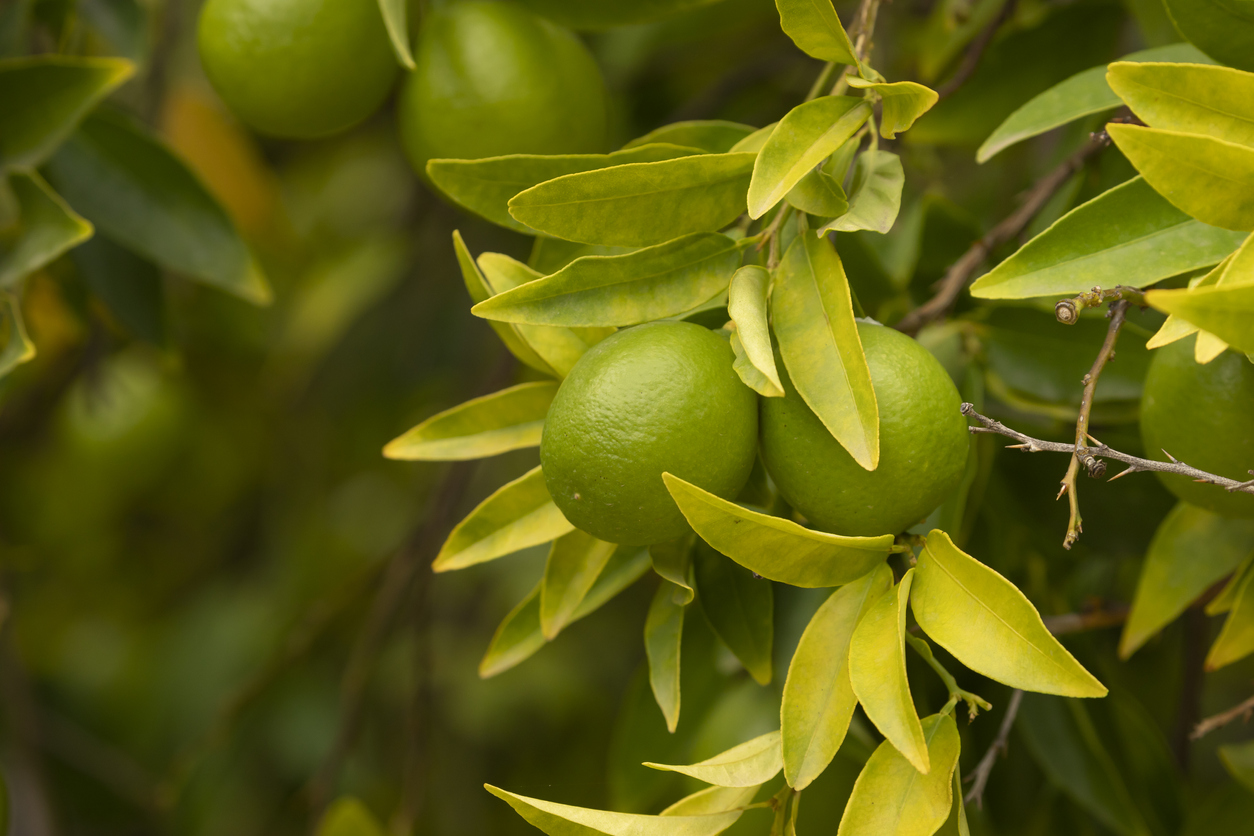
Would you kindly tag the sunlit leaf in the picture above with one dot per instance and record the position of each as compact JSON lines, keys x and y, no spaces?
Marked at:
{"x":563,"y":820}
{"x":714,"y":136}
{"x":1227,"y":312}
{"x":989,"y":625}
{"x":803,"y":138}
{"x":816,"y":30}
{"x":575,"y":562}
{"x":1189,"y":98}
{"x":15,"y":347}
{"x":750,"y":764}
{"x":396,"y":20}
{"x":891,"y":797}
{"x":1128,"y":235}
{"x":1236,"y":639}
{"x":511,"y":419}
{"x":45,"y":228}
{"x":747,"y":306}
{"x":877,"y":671}
{"x":663,"y":636}
{"x":517,"y":515}
{"x":818,"y":699}
{"x":1176,"y":328}
{"x":740,"y":608}
{"x":1191,"y":550}
{"x":903,"y":102}
{"x":874,"y":194}
{"x":348,"y":817}
{"x":712,"y":800}
{"x":1207,"y":178}
{"x":818,"y":338}
{"x":774,"y":547}
{"x":639,"y":204}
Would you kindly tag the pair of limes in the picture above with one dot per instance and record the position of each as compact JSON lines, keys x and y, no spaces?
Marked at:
{"x":491,"y":78}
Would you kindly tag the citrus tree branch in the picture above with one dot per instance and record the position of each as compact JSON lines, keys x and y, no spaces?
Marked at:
{"x":1001,"y":744}
{"x":1243,"y":712}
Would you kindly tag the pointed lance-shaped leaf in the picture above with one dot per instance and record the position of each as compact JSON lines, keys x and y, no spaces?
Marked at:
{"x":818,"y":339}
{"x":877,"y":671}
{"x":639,"y":204}
{"x":816,"y":30}
{"x":874,"y":194}
{"x":1227,"y":312}
{"x":713,"y":136}
{"x":749,"y":764}
{"x":564,"y":820}
{"x":1189,"y":98}
{"x":15,"y":346}
{"x":396,"y":21}
{"x":1226,"y":598}
{"x":575,"y":562}
{"x":747,"y":307}
{"x":773,"y":547}
{"x":712,"y":800}
{"x":903,"y":103}
{"x":511,"y":419}
{"x":519,"y":514}
{"x":990,"y":626}
{"x":803,"y":138}
{"x":45,"y":228}
{"x":663,"y":637}
{"x":1236,"y":639}
{"x":1176,"y":328}
{"x":740,"y":608}
{"x":672,"y":560}
{"x":818,"y":699}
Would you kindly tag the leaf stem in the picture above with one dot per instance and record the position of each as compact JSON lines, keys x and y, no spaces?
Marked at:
{"x":974,"y":701}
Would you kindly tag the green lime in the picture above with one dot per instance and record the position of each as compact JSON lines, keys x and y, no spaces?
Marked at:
{"x":1204,"y":416}
{"x":494,"y":79}
{"x":923,"y":444}
{"x":657,"y":398}
{"x":297,"y":68}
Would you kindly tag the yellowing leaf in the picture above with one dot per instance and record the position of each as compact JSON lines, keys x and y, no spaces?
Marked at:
{"x":663,"y":637}
{"x":712,"y":800}
{"x":816,"y":30}
{"x":518,"y":515}
{"x":874,"y":194}
{"x":1176,"y":328}
{"x":904,"y":102}
{"x":1236,"y":639}
{"x":564,"y":820}
{"x":1227,"y":312}
{"x":511,"y":419}
{"x":773,"y":547}
{"x":818,"y":338}
{"x":806,"y":134}
{"x":747,"y":307}
{"x":575,"y":562}
{"x":750,"y":764}
{"x":818,"y":699}
{"x":877,"y":671}
{"x":1189,"y":98}
{"x":891,"y":797}
{"x":46,"y":227}
{"x":1208,"y":347}
{"x":990,"y":626}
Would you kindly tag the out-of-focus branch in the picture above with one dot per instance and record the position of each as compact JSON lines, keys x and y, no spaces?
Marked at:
{"x":1238,"y":712}
{"x":1001,"y":744}
{"x":1105,"y":615}
{"x":975,"y":52}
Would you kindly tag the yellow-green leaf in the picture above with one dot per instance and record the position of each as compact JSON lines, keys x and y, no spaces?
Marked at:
{"x":1238,"y":759}
{"x":564,"y":820}
{"x":348,"y":817}
{"x":396,"y":21}
{"x":1227,"y":312}
{"x":990,"y":626}
{"x":1189,"y":98}
{"x":1191,"y":550}
{"x":877,"y":671}
{"x":753,"y":143}
{"x":511,"y":419}
{"x":1236,"y":639}
{"x":1176,"y":328}
{"x":874,"y":194}
{"x":747,"y":307}
{"x":672,"y":560}
{"x":575,"y":562}
{"x":15,"y":347}
{"x":1227,"y":597}
{"x":816,"y":30}
{"x":46,"y":227}
{"x":891,"y":797}
{"x":750,"y":764}
{"x":818,"y":699}
{"x":1207,"y":178}
{"x":740,"y":608}
{"x":712,"y":800}
{"x":663,"y":637}
{"x":818,"y":339}
{"x":517,"y":515}
{"x":904,"y":102}
{"x":713,"y":136}
{"x":806,"y":134}
{"x":774,"y":547}
{"x":956,"y":824}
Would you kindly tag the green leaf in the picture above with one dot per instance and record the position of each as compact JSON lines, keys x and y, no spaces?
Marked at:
{"x":663,"y":637}
{"x":43,"y":98}
{"x":45,"y":229}
{"x":129,"y":286}
{"x":877,"y":671}
{"x":1227,"y":311}
{"x":713,"y":136}
{"x":747,"y":307}
{"x":1189,"y":98}
{"x":774,"y":547}
{"x":517,"y":515}
{"x":818,"y":699}
{"x":750,"y":764}
{"x":956,"y":824}
{"x":672,"y":560}
{"x":639,"y":204}
{"x":1081,"y":95}
{"x":874,"y":194}
{"x":136,"y":191}
{"x":753,"y":143}
{"x":1128,"y":235}
{"x":1226,"y":599}
{"x":904,"y":102}
{"x":806,"y":134}
{"x":519,"y":636}
{"x":891,"y":798}
{"x":1238,"y":759}
{"x":712,"y":800}
{"x":1207,"y":178}
{"x":641,"y":286}
{"x":396,"y":20}
{"x":511,"y":419}
{"x":816,"y":30}
{"x":818,"y":194}
{"x":563,"y":820}
{"x":1236,"y":639}
{"x":818,"y":339}
{"x":486,"y":186}
{"x":348,"y":817}
{"x":989,"y":625}
{"x":15,"y":347}
{"x":1191,"y":550}
{"x":1223,"y":29}
{"x":575,"y":561}
{"x":740,"y":608}
{"x":1176,"y":328}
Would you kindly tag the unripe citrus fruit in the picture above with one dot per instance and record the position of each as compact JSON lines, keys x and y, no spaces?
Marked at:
{"x":1204,"y":416}
{"x":494,"y":79}
{"x":297,"y":68}
{"x":655,"y":398}
{"x":923,"y":444}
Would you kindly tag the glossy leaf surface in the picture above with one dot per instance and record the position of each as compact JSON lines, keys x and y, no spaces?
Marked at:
{"x":903,"y":103}
{"x":564,"y":820}
{"x":1189,"y":98}
{"x":511,"y":419}
{"x":711,"y":800}
{"x":1227,"y":312}
{"x":816,"y":30}
{"x":750,"y":764}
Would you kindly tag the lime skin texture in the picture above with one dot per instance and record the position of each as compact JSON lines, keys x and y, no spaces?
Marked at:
{"x":298,"y":69}
{"x":923,"y":444}
{"x":656,"y":398}
{"x":494,"y":79}
{"x":1204,"y":416}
